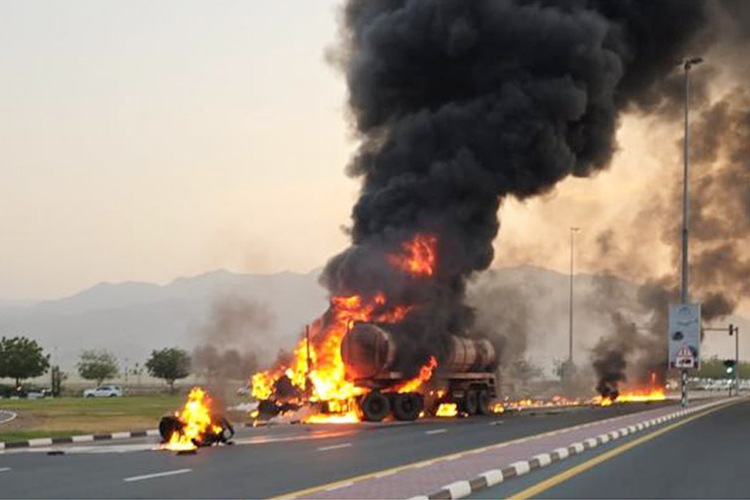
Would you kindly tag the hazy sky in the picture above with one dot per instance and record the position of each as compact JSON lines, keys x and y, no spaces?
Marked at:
{"x":145,"y":140}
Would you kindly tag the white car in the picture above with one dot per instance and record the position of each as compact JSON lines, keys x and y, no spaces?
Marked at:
{"x":103,"y":391}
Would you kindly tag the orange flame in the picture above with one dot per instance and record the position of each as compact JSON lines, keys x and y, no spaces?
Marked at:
{"x":327,"y":372}
{"x":447,"y":410}
{"x":425,"y":374}
{"x":634,"y":396}
{"x":419,"y":258}
{"x":324,"y":379}
{"x":197,"y":420}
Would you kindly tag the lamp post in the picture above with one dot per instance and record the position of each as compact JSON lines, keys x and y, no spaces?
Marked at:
{"x":573,"y":231}
{"x":686,"y":64}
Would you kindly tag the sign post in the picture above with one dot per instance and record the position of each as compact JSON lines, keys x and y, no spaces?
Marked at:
{"x":684,"y":341}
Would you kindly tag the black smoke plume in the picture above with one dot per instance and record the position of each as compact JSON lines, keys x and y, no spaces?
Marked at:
{"x":459,"y":104}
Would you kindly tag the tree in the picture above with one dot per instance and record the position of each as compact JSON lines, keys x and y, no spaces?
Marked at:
{"x":97,"y":365}
{"x":22,"y":358}
{"x":169,"y":364}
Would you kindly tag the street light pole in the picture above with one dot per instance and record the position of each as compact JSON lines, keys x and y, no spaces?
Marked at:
{"x":573,"y":231}
{"x":687,"y":64}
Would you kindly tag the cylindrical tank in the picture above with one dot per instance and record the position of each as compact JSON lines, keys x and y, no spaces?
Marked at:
{"x":471,"y":355}
{"x":369,"y":349}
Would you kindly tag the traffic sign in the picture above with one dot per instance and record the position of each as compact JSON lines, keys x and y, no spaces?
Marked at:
{"x":684,"y":336}
{"x":685,"y":357}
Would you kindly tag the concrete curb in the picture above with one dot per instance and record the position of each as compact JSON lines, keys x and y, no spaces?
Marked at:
{"x":8,"y":445}
{"x":461,"y":489}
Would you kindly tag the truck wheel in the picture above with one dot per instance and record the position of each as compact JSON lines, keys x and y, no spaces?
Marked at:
{"x":471,"y":402}
{"x":375,"y":407}
{"x":407,"y":406}
{"x":267,"y":408}
{"x":484,"y":403}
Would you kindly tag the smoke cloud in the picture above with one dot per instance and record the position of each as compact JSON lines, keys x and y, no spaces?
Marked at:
{"x":459,"y":105}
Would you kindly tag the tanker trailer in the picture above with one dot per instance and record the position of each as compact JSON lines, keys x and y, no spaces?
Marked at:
{"x":466,"y":377}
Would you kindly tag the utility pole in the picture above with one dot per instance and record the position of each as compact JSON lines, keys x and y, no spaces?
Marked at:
{"x":686,"y":64}
{"x":569,"y":367}
{"x":573,"y":231}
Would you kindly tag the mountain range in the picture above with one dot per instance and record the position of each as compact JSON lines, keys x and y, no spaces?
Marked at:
{"x":265,"y":313}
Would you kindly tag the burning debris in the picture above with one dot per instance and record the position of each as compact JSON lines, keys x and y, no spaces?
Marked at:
{"x":195,"y":425}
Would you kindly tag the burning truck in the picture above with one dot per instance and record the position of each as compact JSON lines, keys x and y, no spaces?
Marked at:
{"x":354,"y":362}
{"x":369,"y":352}
{"x":466,"y":379}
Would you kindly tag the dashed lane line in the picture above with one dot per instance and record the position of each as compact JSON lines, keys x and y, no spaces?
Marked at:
{"x":334,"y":447}
{"x":156,"y":475}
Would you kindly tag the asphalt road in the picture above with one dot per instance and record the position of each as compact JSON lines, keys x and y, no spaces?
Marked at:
{"x":705,"y":457}
{"x":266,"y":461}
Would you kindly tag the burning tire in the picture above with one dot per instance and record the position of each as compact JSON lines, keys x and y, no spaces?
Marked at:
{"x":407,"y":406}
{"x":471,"y":402}
{"x":375,"y":407}
{"x":169,"y":425}
{"x":223,"y":436}
{"x":484,"y":402}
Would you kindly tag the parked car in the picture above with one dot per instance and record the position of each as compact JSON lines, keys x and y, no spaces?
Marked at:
{"x":103,"y":391}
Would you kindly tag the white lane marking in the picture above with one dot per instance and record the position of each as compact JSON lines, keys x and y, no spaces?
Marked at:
{"x":265,"y":440}
{"x":4,"y":469}
{"x":157,"y":474}
{"x":334,"y":447}
{"x":436,"y":431}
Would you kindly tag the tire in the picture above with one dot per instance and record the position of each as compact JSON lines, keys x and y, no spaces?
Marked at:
{"x":484,"y":400}
{"x":375,"y":407}
{"x":113,"y":395}
{"x":408,"y":406}
{"x":167,"y":426}
{"x":471,"y":402}
{"x":267,"y":409}
{"x":89,"y":395}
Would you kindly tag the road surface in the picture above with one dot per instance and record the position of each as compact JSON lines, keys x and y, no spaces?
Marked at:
{"x":267,"y":461}
{"x":704,"y":456}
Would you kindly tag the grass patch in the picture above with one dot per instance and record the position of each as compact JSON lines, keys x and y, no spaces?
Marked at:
{"x":70,"y":416}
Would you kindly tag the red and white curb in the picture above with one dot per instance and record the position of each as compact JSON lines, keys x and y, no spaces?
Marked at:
{"x":492,"y":477}
{"x":32,"y":443}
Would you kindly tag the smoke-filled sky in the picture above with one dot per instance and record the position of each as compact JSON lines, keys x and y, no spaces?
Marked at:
{"x":148,"y":140}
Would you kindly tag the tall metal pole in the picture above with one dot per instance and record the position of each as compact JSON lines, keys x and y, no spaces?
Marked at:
{"x":684,"y":295}
{"x":687,"y":64}
{"x":573,"y":231}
